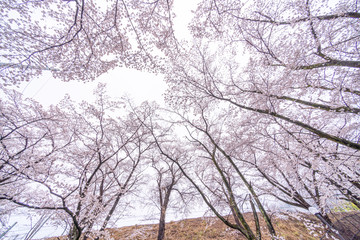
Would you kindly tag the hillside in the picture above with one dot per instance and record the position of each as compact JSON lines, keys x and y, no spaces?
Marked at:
{"x":289,"y":226}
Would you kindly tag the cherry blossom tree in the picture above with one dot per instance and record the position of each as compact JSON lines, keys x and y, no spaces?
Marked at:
{"x":111,"y":167}
{"x":167,"y":188}
{"x":211,"y":171}
{"x":80,"y":39}
{"x":300,"y":35}
{"x":29,"y":144}
{"x":88,"y":177}
{"x":168,"y":176}
{"x":268,"y":92}
{"x":298,"y":90}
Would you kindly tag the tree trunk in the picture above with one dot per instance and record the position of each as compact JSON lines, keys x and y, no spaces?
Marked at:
{"x":161,"y":232}
{"x":75,"y":233}
{"x":164,"y":205}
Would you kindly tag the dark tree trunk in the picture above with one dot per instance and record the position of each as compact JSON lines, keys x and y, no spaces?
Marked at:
{"x":161,"y":232}
{"x":164,"y":204}
{"x":75,"y":233}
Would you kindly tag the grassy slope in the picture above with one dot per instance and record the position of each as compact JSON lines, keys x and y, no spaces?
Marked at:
{"x":289,"y":226}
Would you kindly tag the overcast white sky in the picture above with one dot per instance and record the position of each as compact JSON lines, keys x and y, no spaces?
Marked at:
{"x":139,"y":86}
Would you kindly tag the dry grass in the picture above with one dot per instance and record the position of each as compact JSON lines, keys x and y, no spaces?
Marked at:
{"x":289,"y":226}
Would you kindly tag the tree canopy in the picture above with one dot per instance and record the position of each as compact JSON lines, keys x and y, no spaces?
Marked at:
{"x":263,"y":102}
